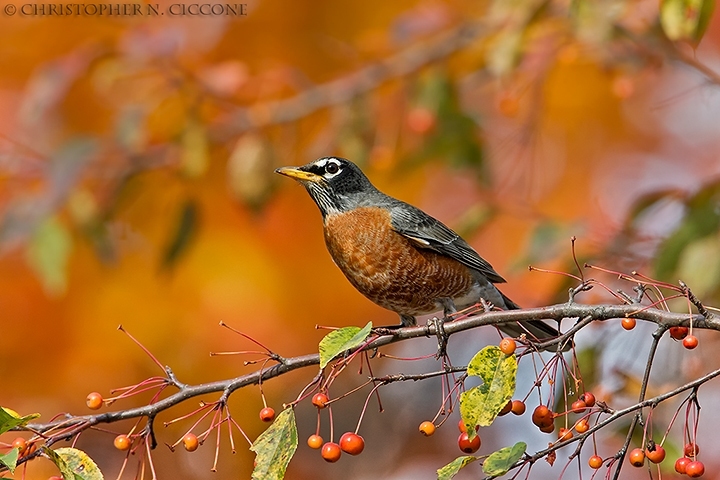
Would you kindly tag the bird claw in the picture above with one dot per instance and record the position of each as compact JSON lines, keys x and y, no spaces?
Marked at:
{"x":439,"y":324}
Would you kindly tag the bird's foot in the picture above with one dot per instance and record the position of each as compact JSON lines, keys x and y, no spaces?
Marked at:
{"x":439,"y":324}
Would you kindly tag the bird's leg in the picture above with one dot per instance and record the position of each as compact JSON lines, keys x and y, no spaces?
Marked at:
{"x":405,"y":321}
{"x":448,"y":310}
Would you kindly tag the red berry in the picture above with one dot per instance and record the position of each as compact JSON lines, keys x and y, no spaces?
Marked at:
{"x":678,"y":333}
{"x":518,"y":407}
{"x":588,"y":398}
{"x":695,"y":469}
{"x":637,"y":457}
{"x":628,"y":323}
{"x":578,"y":406}
{"x":352,"y":443}
{"x":564,"y":434}
{"x":506,"y":409}
{"x":331,"y":452}
{"x":122,"y":442}
{"x":190,"y":442}
{"x":315,"y":441}
{"x":55,"y":477}
{"x":582,"y":426}
{"x":508,"y":346}
{"x":467,"y":445}
{"x":690,"y":342}
{"x":267,"y":414}
{"x":320,"y":400}
{"x":595,"y":462}
{"x":657,"y":455}
{"x":21,"y":444}
{"x":542,"y":416}
{"x":94,"y":401}
{"x":463,"y":429}
{"x":427,"y":428}
{"x":681,"y":465}
{"x":691,"y":449}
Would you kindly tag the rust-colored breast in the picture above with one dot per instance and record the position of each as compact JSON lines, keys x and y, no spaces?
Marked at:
{"x":387,"y":268}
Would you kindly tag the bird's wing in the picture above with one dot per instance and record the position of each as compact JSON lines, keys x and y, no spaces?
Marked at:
{"x":427,"y":232}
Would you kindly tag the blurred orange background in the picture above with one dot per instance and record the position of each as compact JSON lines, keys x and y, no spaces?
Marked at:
{"x":132,"y":194}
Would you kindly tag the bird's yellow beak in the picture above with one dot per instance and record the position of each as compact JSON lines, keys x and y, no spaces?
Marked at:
{"x":299,"y":175}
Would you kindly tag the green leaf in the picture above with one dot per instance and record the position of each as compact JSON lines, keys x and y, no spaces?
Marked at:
{"x":500,"y":462}
{"x":340,"y":340}
{"x":74,"y":464}
{"x":195,"y":155}
{"x":686,"y":19}
{"x":699,"y":265}
{"x":47,"y":254}
{"x":480,"y":405}
{"x":275,"y":447}
{"x":10,"y":459}
{"x":10,"y":419}
{"x":451,"y":469}
{"x":185,"y":230}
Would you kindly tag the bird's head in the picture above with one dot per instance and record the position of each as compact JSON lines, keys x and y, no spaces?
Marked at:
{"x":336,"y":184}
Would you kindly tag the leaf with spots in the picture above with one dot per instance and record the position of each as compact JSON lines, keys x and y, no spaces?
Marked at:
{"x":275,"y":447}
{"x":341,"y":340}
{"x":74,"y":464}
{"x":480,"y":405}
{"x":500,"y":462}
{"x":451,"y":469}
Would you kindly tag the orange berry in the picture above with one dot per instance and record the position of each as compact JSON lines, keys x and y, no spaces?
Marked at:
{"x":656,"y":455}
{"x":691,"y":449}
{"x":427,"y":428}
{"x":267,"y":414}
{"x":508,"y":104}
{"x":678,"y":333}
{"x":595,"y":462}
{"x":690,"y":342}
{"x":582,"y":426}
{"x":695,"y":469}
{"x":542,"y":416}
{"x":320,"y":400}
{"x":21,"y":444}
{"x":588,"y":398}
{"x":628,"y":323}
{"x":508,"y":346}
{"x":681,"y":465}
{"x":315,"y":441}
{"x":506,"y":409}
{"x":122,"y":442}
{"x":190,"y":442}
{"x":578,"y":406}
{"x":548,"y":428}
{"x":352,"y":443}
{"x":331,"y":452}
{"x":564,"y":434}
{"x":637,"y":457}
{"x":518,"y":407}
{"x":94,"y":401}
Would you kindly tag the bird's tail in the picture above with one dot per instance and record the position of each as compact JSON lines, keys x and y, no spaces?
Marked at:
{"x":535,"y":330}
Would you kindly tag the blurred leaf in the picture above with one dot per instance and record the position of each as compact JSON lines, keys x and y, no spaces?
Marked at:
{"x":195,"y":155}
{"x":249,"y":170}
{"x":504,"y":52}
{"x":646,"y":201}
{"x":500,"y":462}
{"x":686,"y":19}
{"x":130,"y":130}
{"x":341,"y":340}
{"x":451,"y":469}
{"x":699,"y":265}
{"x":275,"y":447}
{"x":455,"y":136}
{"x":74,"y":464}
{"x":10,"y":419}
{"x":186,"y":228}
{"x":701,"y":220}
{"x":10,"y":459}
{"x":480,"y":405}
{"x":48,"y":253}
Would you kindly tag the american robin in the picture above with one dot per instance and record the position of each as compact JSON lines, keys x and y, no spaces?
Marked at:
{"x":395,"y":254}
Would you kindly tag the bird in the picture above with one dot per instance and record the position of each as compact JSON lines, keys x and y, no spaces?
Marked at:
{"x":398,"y":256}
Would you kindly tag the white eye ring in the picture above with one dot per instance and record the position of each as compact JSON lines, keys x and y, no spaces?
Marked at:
{"x":331,"y":166}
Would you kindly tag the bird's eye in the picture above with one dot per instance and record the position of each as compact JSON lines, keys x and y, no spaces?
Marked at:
{"x":332,"y":168}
